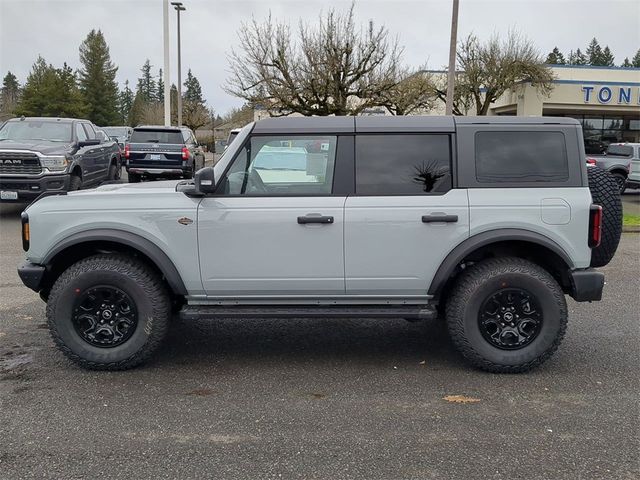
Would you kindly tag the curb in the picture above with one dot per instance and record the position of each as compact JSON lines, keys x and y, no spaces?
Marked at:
{"x":631,"y":229}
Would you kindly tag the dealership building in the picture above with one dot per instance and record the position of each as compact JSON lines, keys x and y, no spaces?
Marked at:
{"x":606,"y":100}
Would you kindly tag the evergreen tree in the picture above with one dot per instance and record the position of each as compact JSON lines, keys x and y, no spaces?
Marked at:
{"x":555,"y":57}
{"x":594,"y":53}
{"x":146,"y":84}
{"x":193,"y":90}
{"x":98,"y":80}
{"x":635,"y":61}
{"x":138,"y":108}
{"x":577,"y":58}
{"x":51,"y":92}
{"x":607,"y":57}
{"x":160,"y":94}
{"x":125,"y":102}
{"x":9,"y":95}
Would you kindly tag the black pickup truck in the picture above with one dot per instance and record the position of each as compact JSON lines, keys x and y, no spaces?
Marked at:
{"x":39,"y":155}
{"x":162,"y":152}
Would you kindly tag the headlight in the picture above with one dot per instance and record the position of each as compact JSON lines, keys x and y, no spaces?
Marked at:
{"x":54,"y":162}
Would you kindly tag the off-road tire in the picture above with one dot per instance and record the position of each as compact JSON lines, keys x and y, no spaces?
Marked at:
{"x":75,"y":183}
{"x":136,"y":279}
{"x":605,"y":191}
{"x":134,"y":178}
{"x":481,"y":281}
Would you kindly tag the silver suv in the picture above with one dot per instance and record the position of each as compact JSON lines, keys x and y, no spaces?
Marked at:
{"x":486,"y":222}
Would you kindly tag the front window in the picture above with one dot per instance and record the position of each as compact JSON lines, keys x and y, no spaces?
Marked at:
{"x":51,"y":131}
{"x":288,"y":165}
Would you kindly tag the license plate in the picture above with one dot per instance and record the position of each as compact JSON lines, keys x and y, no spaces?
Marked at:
{"x":8,"y":195}
{"x":154,"y":156}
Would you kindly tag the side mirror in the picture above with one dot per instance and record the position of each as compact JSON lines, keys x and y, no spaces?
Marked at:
{"x":89,"y":142}
{"x":205,"y":181}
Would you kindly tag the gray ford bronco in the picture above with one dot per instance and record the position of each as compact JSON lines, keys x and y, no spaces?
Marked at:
{"x":485,"y":222}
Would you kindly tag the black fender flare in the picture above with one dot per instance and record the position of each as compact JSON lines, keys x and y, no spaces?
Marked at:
{"x":141,"y":244}
{"x":471,"y":244}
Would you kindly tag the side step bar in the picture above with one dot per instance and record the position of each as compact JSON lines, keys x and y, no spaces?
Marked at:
{"x":414,"y":312}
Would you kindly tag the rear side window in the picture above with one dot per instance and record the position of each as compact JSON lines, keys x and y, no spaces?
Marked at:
{"x":157,"y":136}
{"x":521,"y":157}
{"x":416,"y":164}
{"x":620,"y":150}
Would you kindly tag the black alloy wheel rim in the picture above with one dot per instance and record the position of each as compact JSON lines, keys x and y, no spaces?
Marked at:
{"x":104,"y":316}
{"x":510,"y":318}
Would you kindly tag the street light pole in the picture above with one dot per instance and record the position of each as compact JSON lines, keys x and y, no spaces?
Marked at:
{"x":451,"y":76}
{"x":179,"y":8}
{"x":167,"y":84}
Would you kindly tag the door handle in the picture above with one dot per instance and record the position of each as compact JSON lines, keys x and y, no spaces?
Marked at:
{"x":315,"y":219}
{"x":439,"y":217}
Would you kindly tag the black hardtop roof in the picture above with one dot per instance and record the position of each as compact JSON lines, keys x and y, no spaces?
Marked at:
{"x":382,"y":124}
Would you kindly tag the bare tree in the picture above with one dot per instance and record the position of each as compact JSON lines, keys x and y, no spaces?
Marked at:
{"x":488,"y":70}
{"x":194,"y":114}
{"x":330,"y":69}
{"x":413,"y":92}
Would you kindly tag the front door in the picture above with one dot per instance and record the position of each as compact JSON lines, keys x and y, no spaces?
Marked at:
{"x":273,"y":229}
{"x":404,"y":218}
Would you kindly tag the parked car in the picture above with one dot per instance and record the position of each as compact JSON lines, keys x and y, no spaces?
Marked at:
{"x":633,"y":180}
{"x":119,"y":134}
{"x":488,"y":222}
{"x":167,"y":152}
{"x":617,"y":161}
{"x":593,"y":146}
{"x":39,"y":155}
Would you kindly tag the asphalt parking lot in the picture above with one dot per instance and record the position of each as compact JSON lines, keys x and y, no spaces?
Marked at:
{"x":304,"y":398}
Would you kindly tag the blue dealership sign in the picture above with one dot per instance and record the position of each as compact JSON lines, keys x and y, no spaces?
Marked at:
{"x":606,"y":94}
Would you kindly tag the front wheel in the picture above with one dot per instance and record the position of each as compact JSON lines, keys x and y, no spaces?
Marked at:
{"x":506,"y":315}
{"x":108,"y":312}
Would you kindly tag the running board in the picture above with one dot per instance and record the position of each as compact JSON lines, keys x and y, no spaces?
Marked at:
{"x":417,"y":312}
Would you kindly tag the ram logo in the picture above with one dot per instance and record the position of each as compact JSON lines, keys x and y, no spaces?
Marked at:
{"x":10,"y":161}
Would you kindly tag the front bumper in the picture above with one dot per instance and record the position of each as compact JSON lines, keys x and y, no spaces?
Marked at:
{"x":29,"y":188}
{"x":586,"y":285}
{"x":32,"y":275}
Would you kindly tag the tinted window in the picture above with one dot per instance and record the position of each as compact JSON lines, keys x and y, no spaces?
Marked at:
{"x":91,"y":133}
{"x":402,"y":164}
{"x":36,"y":130}
{"x":80,"y":133}
{"x":283,"y":166}
{"x":521,"y":157}
{"x":157,"y":136}
{"x":620,"y":150}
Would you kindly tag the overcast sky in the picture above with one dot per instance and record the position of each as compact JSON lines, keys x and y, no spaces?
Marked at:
{"x":133,"y":29}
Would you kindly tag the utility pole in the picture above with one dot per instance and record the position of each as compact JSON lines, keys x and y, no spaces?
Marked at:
{"x":179,"y":8}
{"x":167,"y":77}
{"x":451,"y":76}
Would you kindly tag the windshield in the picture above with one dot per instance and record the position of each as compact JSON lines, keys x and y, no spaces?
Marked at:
{"x":157,"y":136}
{"x":120,"y":132}
{"x":51,"y":131}
{"x":620,"y":150}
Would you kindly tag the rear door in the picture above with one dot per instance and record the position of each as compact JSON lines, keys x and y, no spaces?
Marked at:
{"x":275,"y":227}
{"x":405,"y":217}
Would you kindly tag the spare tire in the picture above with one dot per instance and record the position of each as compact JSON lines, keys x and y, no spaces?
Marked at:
{"x":606,"y":193}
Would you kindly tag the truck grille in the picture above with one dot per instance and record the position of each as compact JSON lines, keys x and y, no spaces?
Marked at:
{"x":24,"y":163}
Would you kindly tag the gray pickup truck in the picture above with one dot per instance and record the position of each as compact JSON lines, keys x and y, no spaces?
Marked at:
{"x":485,"y":222}
{"x":48,"y":155}
{"x":618,"y":160}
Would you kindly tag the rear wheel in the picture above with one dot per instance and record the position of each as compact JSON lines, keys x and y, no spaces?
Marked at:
{"x":114,"y":172}
{"x":108,"y":312}
{"x":506,"y":315}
